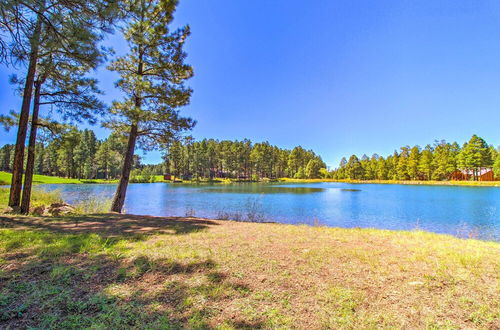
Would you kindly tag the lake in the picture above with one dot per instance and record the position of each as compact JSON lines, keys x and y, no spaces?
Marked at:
{"x":460,"y":211}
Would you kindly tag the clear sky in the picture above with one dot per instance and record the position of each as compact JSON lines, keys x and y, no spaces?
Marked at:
{"x":339,"y":77}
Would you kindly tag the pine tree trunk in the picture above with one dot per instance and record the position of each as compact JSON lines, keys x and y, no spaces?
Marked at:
{"x":17,"y":167}
{"x":30,"y":162}
{"x":121,"y":190}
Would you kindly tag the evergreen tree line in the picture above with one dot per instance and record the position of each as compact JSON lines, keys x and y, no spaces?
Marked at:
{"x":211,"y":159}
{"x":79,"y":154}
{"x":73,"y":154}
{"x":436,"y":162}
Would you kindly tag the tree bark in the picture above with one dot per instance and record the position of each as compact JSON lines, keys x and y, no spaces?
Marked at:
{"x":121,"y":190}
{"x":30,"y":162}
{"x":17,"y":167}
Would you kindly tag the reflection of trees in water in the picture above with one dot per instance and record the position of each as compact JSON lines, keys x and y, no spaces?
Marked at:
{"x":244,"y":189}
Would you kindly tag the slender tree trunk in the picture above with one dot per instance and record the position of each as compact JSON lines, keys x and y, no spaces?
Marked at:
{"x":121,"y":190}
{"x":30,"y":163}
{"x":17,"y":167}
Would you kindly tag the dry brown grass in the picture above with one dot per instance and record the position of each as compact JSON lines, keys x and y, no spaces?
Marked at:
{"x":196,"y":273}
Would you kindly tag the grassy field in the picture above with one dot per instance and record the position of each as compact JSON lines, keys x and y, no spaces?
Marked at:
{"x":5,"y":178}
{"x":439,"y":183}
{"x":126,"y":271}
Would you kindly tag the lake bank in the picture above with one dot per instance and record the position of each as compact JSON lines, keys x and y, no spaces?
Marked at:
{"x":5,"y":179}
{"x":116,"y":271}
{"x":409,"y":182}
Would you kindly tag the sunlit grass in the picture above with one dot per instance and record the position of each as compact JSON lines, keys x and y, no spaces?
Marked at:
{"x":5,"y":178}
{"x":103,"y":273}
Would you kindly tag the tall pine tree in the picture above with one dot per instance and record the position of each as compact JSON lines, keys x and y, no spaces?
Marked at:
{"x":24,"y":27}
{"x":152,"y":79}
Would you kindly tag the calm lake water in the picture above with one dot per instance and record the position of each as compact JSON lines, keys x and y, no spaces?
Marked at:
{"x":460,"y":211}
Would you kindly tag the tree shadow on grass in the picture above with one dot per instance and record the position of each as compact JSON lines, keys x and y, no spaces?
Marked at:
{"x":70,"y":272}
{"x":111,"y":224}
{"x":82,"y":291}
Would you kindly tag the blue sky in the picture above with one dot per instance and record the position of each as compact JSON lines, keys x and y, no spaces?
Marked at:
{"x":339,"y":77}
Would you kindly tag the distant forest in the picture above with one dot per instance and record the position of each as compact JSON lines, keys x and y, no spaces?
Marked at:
{"x":79,"y":154}
{"x":436,"y":162}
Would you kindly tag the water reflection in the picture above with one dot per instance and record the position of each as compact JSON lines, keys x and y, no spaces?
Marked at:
{"x":259,"y":189}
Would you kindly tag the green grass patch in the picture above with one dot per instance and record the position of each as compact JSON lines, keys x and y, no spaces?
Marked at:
{"x":126,"y":271}
{"x":5,"y":178}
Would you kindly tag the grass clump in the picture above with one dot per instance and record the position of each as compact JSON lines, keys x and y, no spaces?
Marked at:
{"x":41,"y":197}
{"x":93,"y":204}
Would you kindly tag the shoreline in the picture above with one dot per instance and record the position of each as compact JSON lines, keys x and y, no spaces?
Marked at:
{"x":45,"y":179}
{"x":401,"y":182}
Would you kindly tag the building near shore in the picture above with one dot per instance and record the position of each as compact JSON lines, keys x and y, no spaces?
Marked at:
{"x":481,"y":174}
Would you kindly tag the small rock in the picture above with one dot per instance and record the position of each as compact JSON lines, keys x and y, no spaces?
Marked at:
{"x":57,"y":209}
{"x":56,"y":205}
{"x":414,"y":283}
{"x":8,"y":209}
{"x":39,"y":210}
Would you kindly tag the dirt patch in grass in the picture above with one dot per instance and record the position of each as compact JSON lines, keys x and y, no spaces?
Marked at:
{"x":126,"y":271}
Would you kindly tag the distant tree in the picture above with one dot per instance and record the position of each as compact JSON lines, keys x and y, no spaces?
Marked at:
{"x":343,"y":162}
{"x":425,"y":164}
{"x":381,"y":169}
{"x":444,"y":159}
{"x":474,"y":155}
{"x":6,"y":153}
{"x":152,"y":78}
{"x":392,"y":166}
{"x":402,"y":165}
{"x":261,"y":158}
{"x":313,"y":168}
{"x":365,"y":164}
{"x":371,"y":167}
{"x":66,"y":161}
{"x":496,"y":165}
{"x":298,"y":158}
{"x":354,"y":169}
{"x":413,"y":160}
{"x":301,"y":173}
{"x":324,"y":174}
